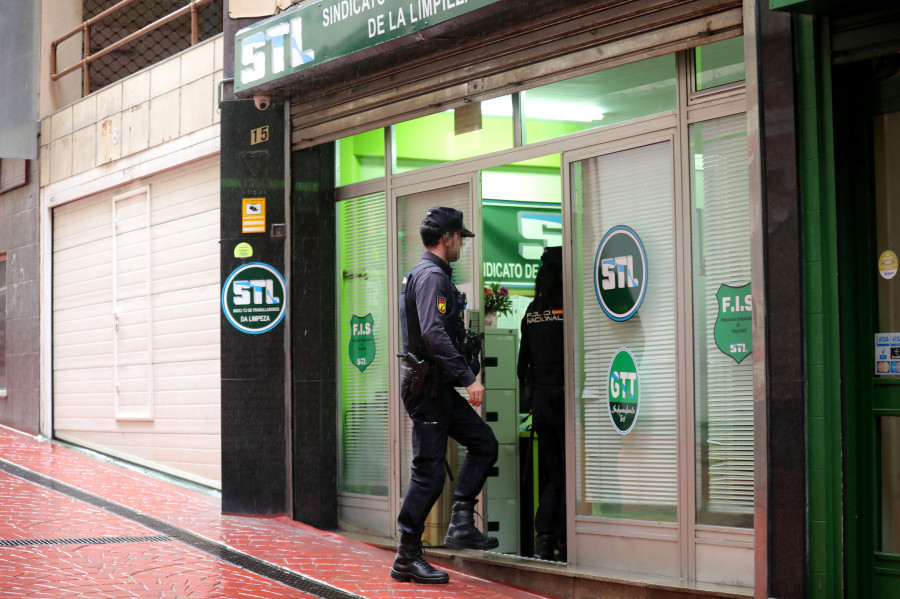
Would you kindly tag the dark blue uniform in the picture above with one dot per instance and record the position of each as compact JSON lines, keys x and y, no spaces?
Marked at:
{"x":431,"y":317}
{"x":541,"y":360}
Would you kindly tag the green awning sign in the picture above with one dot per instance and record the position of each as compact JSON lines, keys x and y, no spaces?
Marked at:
{"x":254,"y":299}
{"x":620,"y":273}
{"x":623,"y":390}
{"x":316,"y":32}
{"x":733,"y":330}
{"x":362,"y":341}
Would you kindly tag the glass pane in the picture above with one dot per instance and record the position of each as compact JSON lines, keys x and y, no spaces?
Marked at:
{"x":453,"y":135}
{"x":521,"y":215}
{"x":719,"y":63}
{"x":411,"y":210}
{"x":886,"y":137}
{"x":723,"y":367}
{"x":590,"y":101}
{"x":890,"y":484}
{"x":3,"y":322}
{"x":360,"y":157}
{"x":631,"y":475}
{"x":362,"y":344}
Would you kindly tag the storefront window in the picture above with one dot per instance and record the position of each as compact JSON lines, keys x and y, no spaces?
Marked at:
{"x":612,"y":96}
{"x":478,"y":128}
{"x":723,"y":366}
{"x":626,"y":425}
{"x":521,"y":215}
{"x":362,"y":351}
{"x":360,"y":157}
{"x":719,"y":63}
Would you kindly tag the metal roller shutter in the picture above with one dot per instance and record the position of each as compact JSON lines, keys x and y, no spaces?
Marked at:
{"x":136,"y":323}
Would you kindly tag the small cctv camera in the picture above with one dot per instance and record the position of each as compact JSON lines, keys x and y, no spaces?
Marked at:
{"x":262,"y":101}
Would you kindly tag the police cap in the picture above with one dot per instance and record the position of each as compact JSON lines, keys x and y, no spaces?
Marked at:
{"x":446,"y":220}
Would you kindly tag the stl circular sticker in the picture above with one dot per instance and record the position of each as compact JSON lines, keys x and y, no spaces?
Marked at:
{"x":887,"y":264}
{"x":620,"y":273}
{"x":623,"y":390}
{"x":254,"y":298}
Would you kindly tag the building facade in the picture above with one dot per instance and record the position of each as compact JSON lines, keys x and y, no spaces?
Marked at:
{"x":621,"y":131}
{"x":846,"y":115}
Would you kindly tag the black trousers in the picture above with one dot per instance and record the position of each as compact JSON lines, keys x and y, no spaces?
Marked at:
{"x":548,"y":419}
{"x":434,"y":420}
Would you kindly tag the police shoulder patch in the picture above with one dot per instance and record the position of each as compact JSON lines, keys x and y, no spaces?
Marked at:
{"x":442,"y":304}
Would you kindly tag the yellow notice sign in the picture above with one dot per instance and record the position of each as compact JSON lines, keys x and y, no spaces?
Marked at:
{"x":253,"y":215}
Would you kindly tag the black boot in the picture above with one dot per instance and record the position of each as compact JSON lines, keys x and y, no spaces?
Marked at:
{"x":409,"y":565}
{"x":462,"y":533}
{"x":544,"y":546}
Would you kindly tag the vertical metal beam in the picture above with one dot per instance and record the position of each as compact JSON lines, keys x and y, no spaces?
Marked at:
{"x":779,"y":341}
{"x":86,"y":53}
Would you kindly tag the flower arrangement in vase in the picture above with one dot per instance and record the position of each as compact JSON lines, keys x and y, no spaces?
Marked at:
{"x":496,"y":303}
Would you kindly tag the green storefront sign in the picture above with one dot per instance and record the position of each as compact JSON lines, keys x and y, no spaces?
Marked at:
{"x":362,"y":341}
{"x":733,"y":330}
{"x":623,"y":390}
{"x":317,"y":32}
{"x":254,"y":299}
{"x":515,"y":236}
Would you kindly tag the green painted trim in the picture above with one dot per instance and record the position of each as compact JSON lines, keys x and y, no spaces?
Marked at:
{"x":817,"y":183}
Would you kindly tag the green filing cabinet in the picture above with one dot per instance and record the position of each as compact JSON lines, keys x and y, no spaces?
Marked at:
{"x":501,"y":412}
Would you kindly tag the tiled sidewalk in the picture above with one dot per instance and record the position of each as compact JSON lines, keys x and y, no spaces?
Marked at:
{"x":159,"y":567}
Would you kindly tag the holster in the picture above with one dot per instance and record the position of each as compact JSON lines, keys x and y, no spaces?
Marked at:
{"x":420,"y":374}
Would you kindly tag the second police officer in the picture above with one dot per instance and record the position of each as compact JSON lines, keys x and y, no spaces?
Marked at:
{"x":541,"y":368}
{"x":433,"y":332}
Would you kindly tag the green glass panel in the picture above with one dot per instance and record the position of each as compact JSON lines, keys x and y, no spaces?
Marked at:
{"x":719,"y":63}
{"x":723,"y":368}
{"x":362,"y":351}
{"x":360,"y":157}
{"x":890,"y":484}
{"x":434,"y":139}
{"x":612,"y":96}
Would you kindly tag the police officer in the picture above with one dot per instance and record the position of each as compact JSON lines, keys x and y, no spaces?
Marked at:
{"x":541,"y":368}
{"x":431,"y":318}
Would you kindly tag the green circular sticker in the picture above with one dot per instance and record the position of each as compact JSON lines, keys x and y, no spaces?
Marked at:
{"x":623,"y":390}
{"x":620,"y":273}
{"x":254,"y":298}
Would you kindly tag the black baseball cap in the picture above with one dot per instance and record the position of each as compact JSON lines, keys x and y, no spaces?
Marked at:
{"x":446,"y":220}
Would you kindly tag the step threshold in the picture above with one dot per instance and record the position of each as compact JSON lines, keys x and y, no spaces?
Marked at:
{"x":564,"y":581}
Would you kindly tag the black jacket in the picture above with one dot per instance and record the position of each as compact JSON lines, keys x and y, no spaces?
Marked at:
{"x":431,"y":318}
{"x":541,"y":348}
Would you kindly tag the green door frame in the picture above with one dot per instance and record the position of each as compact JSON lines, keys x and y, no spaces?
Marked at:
{"x":869,"y":574}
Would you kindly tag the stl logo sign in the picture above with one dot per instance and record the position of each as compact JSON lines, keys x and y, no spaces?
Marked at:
{"x":620,"y":273}
{"x":362,"y":341}
{"x":254,"y":298}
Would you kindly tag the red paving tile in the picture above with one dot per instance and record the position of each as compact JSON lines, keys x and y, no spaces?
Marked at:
{"x":147,"y":570}
{"x":325,"y":556}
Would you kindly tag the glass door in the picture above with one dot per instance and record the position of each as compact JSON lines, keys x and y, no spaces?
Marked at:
{"x":626,"y":443}
{"x":411,"y":202}
{"x":880,"y":431}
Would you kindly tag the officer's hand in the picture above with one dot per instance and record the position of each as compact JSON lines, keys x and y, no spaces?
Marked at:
{"x":476,"y":394}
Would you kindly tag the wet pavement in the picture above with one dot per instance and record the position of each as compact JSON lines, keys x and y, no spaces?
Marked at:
{"x":72,"y":525}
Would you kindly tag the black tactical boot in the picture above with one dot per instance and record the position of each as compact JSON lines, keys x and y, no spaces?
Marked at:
{"x":409,"y":565}
{"x":544,"y":546}
{"x":462,"y":533}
